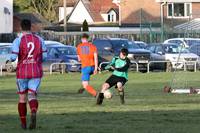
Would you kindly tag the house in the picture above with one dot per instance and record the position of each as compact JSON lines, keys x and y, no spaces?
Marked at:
{"x":94,"y":11}
{"x":69,"y":7}
{"x":168,"y":12}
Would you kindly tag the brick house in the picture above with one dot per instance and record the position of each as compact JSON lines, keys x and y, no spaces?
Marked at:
{"x":94,"y":11}
{"x":174,"y":12}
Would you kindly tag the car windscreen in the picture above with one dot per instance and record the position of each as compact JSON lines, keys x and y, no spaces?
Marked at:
{"x":119,"y":44}
{"x":101,"y":44}
{"x":5,"y":50}
{"x":195,"y":49}
{"x":175,"y":49}
{"x":133,"y":46}
{"x":192,"y":42}
{"x":66,"y":50}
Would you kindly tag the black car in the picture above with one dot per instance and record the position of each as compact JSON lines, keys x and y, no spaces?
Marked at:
{"x":107,"y":48}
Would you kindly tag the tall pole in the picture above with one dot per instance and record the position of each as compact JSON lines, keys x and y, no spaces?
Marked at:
{"x":65,"y":15}
{"x":118,"y":3}
{"x":120,"y":14}
{"x":162,"y":20}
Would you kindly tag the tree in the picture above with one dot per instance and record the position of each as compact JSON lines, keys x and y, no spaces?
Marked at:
{"x":85,"y":25}
{"x":22,"y":6}
{"x":46,"y":8}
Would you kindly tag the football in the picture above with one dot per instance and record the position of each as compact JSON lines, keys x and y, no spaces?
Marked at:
{"x":108,"y":94}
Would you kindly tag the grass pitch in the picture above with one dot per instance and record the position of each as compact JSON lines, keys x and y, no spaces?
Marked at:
{"x":147,"y":108}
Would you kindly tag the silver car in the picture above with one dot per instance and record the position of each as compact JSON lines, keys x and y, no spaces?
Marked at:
{"x":5,"y":54}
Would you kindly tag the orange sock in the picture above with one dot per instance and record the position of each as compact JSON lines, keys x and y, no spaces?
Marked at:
{"x":91,"y":90}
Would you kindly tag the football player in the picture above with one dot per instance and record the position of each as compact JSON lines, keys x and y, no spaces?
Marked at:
{"x":87,"y":55}
{"x":29,"y":49}
{"x":119,"y":77}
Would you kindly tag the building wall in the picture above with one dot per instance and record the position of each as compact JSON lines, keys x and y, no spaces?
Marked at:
{"x":80,"y":14}
{"x":105,"y":17}
{"x":61,"y":12}
{"x":6,"y":16}
{"x":131,"y":11}
{"x":196,"y":10}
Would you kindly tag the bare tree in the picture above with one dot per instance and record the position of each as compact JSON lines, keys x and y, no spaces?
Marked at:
{"x":46,"y":8}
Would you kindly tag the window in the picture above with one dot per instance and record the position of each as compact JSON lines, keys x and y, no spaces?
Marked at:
{"x":108,"y":17}
{"x":170,"y":10}
{"x":151,"y":48}
{"x":159,"y":50}
{"x":111,"y":16}
{"x":179,"y":10}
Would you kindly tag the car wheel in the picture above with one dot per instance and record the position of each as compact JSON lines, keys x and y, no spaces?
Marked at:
{"x":9,"y":67}
{"x":169,"y":67}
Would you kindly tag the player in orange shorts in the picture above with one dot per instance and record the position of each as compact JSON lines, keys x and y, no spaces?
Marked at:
{"x":87,"y":54}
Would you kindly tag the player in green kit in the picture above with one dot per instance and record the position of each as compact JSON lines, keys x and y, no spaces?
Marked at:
{"x":119,"y":77}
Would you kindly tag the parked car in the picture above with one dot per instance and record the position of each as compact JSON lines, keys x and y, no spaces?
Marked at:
{"x":170,"y":52}
{"x":107,"y":48}
{"x":5,"y":44}
{"x":186,"y":42}
{"x":195,"y":49}
{"x":141,"y":44}
{"x":62,"y":54}
{"x":5,"y":55}
{"x":48,"y":42}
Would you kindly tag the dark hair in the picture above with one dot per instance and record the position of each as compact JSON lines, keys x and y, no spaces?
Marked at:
{"x":26,"y":25}
{"x":85,"y":36}
{"x":124,"y":51}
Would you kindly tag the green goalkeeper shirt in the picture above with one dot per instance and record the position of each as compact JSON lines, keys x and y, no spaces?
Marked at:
{"x":121,"y":67}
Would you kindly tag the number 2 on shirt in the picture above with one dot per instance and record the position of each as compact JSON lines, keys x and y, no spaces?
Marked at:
{"x":85,"y":50}
{"x":32,"y":46}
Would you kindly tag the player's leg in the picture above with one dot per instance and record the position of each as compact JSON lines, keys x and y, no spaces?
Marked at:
{"x":86,"y":72}
{"x":110,"y":82}
{"x":22,"y":109}
{"x":120,"y":89}
{"x":33,"y":86}
{"x":100,"y":97}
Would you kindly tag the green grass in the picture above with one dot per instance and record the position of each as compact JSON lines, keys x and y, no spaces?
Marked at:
{"x":147,"y":108}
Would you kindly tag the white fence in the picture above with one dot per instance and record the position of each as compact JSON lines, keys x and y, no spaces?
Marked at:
{"x":183,"y":62}
{"x":2,"y":67}
{"x":133,"y":62}
{"x":53,"y":64}
{"x":1,"y":70}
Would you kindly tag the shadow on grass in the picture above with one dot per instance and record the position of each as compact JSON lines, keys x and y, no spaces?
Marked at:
{"x":110,"y":122}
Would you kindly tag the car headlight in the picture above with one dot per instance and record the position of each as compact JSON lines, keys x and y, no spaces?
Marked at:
{"x":174,"y":58}
{"x":130,"y":55}
{"x":73,"y":61}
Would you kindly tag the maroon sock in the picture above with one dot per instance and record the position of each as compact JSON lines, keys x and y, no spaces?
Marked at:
{"x":22,"y":112}
{"x":33,"y":105}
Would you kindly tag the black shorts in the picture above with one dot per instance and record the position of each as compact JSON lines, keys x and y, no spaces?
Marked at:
{"x":113,"y":80}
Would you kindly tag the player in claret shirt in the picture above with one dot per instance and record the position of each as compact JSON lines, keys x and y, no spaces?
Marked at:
{"x":29,"y":49}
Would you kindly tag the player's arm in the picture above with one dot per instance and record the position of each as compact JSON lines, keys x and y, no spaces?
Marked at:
{"x":95,"y":62}
{"x":78,"y":53}
{"x":125,"y":67}
{"x":44,"y":50}
{"x":15,"y":49}
{"x":111,"y":64}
